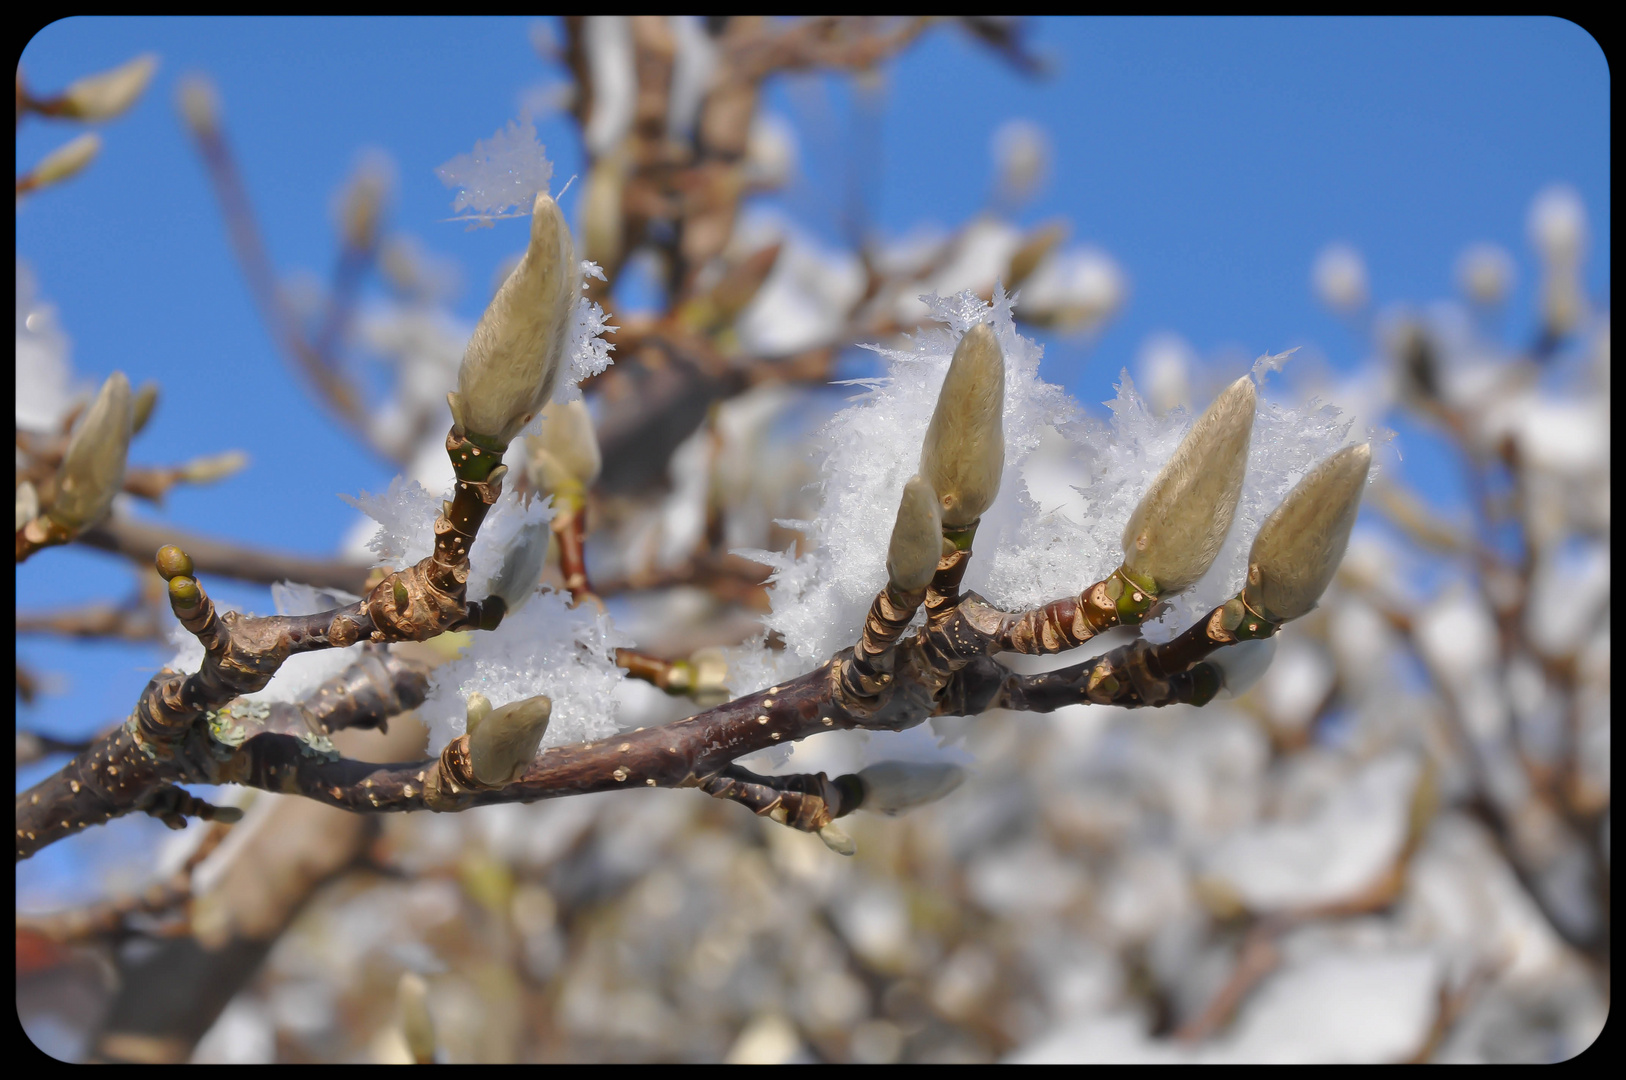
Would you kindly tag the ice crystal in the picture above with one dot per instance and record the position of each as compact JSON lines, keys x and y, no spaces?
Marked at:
{"x":503,"y":172}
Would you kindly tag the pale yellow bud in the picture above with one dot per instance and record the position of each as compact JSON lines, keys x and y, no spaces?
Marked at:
{"x":28,"y":504}
{"x":205,"y":470}
{"x":965,"y":444}
{"x":836,"y":839}
{"x":569,"y":444}
{"x":1176,"y":531}
{"x":504,"y":743}
{"x":476,"y":708}
{"x":1302,"y":542}
{"x":106,"y":95}
{"x":66,"y":161}
{"x":917,"y":538}
{"x":601,"y":210}
{"x":514,"y":357}
{"x":412,"y":997}
{"x":146,"y":399}
{"x":891,"y":787}
{"x":93,"y":467}
{"x":199,"y":104}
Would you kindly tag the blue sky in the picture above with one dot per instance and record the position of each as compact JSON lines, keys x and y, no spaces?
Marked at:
{"x":1211,"y":158}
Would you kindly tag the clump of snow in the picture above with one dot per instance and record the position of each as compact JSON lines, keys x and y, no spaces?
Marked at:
{"x":588,"y":352}
{"x":503,"y":172}
{"x":45,"y":387}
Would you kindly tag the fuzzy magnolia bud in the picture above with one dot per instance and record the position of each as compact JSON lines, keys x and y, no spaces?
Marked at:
{"x":476,"y":709}
{"x":513,"y":359}
{"x":917,"y":538}
{"x":106,"y":95}
{"x":505,"y":742}
{"x":93,"y":467}
{"x":965,"y":444}
{"x":891,"y":787}
{"x":515,"y":581}
{"x":28,"y":504}
{"x":1176,"y":531}
{"x":412,"y":997}
{"x":567,"y":450}
{"x":206,"y":470}
{"x":836,"y":839}
{"x":66,"y":161}
{"x":1300,"y":545}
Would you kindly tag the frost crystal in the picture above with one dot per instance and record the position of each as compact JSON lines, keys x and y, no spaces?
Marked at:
{"x":504,"y":171}
{"x":588,"y":352}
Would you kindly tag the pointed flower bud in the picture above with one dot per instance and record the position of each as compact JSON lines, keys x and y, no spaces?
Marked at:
{"x":207,"y":470}
{"x":146,"y":399}
{"x":1300,"y":545}
{"x":891,"y":787}
{"x":1176,"y":531}
{"x":917,"y":538}
{"x":517,"y":351}
{"x":106,"y":95}
{"x":476,"y":708}
{"x":93,"y":467}
{"x":412,"y":997}
{"x":65,"y":161}
{"x":505,"y":742}
{"x":965,"y":444}
{"x":567,"y":450}
{"x":836,"y":839}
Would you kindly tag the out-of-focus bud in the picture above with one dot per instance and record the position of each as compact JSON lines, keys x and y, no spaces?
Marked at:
{"x":515,"y":581}
{"x":965,"y":443}
{"x":1243,"y":664}
{"x":28,"y":504}
{"x":836,"y":839}
{"x":1165,"y":366}
{"x":1340,"y":278}
{"x":361,"y":200}
{"x":206,"y":470}
{"x":199,"y":103}
{"x":412,"y":997}
{"x":1558,"y":226}
{"x":601,"y":210}
{"x":106,"y":95}
{"x":1485,"y":274}
{"x":891,"y":787}
{"x":504,"y":743}
{"x":770,"y":151}
{"x":1176,"y":531}
{"x":1300,"y":545}
{"x":917,"y":538}
{"x":1035,"y":247}
{"x":514,"y":357}
{"x":146,"y":399}
{"x":1021,"y":158}
{"x":1563,"y":304}
{"x":65,"y":161}
{"x":740,"y":285}
{"x":1073,"y":291}
{"x":566,"y":452}
{"x":93,"y":468}
{"x":475,"y":709}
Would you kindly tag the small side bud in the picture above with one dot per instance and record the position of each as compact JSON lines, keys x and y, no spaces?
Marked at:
{"x":1175,"y":533}
{"x":173,"y":563}
{"x":504,"y":742}
{"x":412,"y":998}
{"x":206,"y":470}
{"x":1300,"y":545}
{"x":106,"y":95}
{"x":28,"y":504}
{"x":184,"y":593}
{"x":917,"y":538}
{"x":513,"y":359}
{"x":836,"y":839}
{"x":892,"y":787}
{"x":200,"y":105}
{"x":965,"y":444}
{"x":92,"y":469}
{"x":66,"y":161}
{"x":515,"y":581}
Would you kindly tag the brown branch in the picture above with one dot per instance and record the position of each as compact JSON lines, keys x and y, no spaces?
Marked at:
{"x":93,"y":621}
{"x":137,"y":540}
